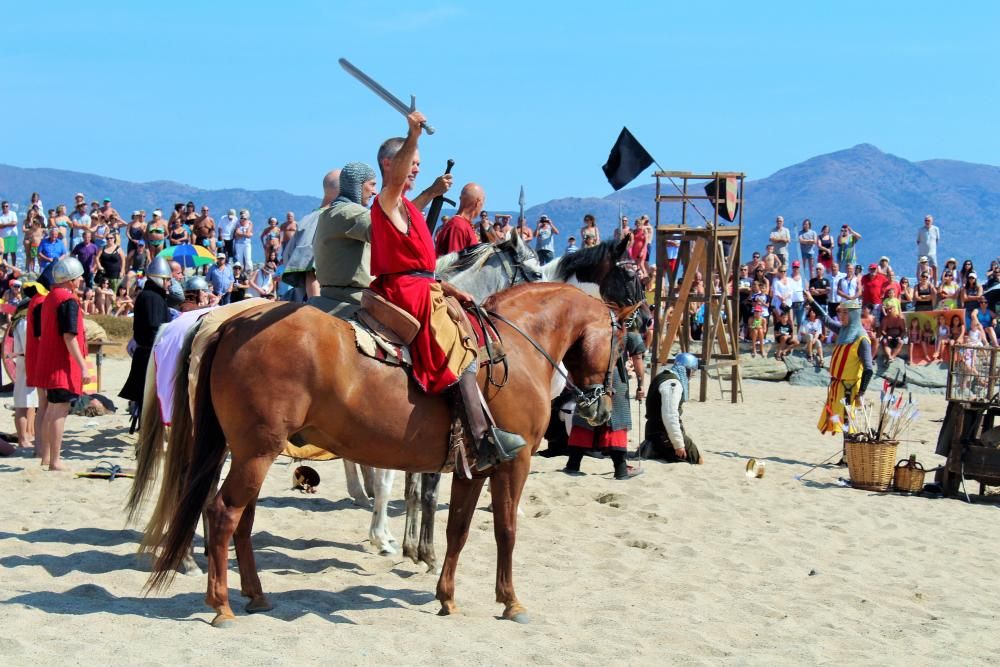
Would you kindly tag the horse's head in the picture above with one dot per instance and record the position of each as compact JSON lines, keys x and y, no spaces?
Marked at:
{"x":523,"y":260}
{"x":591,"y":362}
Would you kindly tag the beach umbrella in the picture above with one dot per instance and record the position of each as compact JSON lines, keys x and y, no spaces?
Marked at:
{"x":188,"y":255}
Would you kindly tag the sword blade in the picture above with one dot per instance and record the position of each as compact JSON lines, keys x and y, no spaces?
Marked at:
{"x":377,"y":88}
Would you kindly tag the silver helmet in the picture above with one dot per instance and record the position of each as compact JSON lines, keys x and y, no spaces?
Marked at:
{"x":158,"y":268}
{"x":196,"y":284}
{"x":67,"y":268}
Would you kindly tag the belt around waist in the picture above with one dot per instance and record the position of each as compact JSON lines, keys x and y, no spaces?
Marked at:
{"x":418,"y":274}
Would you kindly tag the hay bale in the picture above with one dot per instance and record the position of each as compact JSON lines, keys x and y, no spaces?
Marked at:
{"x":93,"y":330}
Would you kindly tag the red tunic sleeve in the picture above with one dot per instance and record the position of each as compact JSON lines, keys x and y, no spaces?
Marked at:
{"x":456,"y":235}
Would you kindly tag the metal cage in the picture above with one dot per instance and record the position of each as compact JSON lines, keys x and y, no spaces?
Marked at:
{"x":973,"y":374}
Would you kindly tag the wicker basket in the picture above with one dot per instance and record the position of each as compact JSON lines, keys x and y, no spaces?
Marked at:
{"x":871,"y":464}
{"x":909,"y":476}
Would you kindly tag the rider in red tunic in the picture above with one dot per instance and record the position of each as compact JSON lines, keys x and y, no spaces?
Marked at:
{"x":458,"y":233}
{"x":403,"y":262}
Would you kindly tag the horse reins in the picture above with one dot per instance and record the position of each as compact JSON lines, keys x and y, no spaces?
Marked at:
{"x":590,"y":394}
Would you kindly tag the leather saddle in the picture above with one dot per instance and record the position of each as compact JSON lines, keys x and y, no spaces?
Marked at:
{"x":387,"y":320}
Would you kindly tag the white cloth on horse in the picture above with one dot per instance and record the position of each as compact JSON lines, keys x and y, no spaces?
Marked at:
{"x":166,"y":353}
{"x":298,"y":252}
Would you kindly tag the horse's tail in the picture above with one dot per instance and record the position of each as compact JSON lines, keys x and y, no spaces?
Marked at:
{"x":149,"y":446}
{"x":195,"y":454}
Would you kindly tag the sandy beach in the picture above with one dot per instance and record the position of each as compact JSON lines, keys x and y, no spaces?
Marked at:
{"x":686,"y":564}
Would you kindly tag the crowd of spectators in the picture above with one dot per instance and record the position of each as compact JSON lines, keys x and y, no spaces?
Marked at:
{"x":773,"y":288}
{"x":115,"y":252}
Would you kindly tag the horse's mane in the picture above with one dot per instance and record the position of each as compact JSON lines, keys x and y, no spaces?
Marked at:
{"x":581,"y":264}
{"x":456,"y":262}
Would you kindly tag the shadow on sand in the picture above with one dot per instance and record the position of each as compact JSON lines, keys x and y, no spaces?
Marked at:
{"x":288,"y":605}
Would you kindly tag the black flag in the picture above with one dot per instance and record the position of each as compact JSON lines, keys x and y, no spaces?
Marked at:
{"x":627,"y":160}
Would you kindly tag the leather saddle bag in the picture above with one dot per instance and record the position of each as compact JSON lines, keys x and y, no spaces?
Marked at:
{"x":389,"y":321}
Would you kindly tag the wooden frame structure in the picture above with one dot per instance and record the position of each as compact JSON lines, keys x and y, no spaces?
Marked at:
{"x":710,"y":249}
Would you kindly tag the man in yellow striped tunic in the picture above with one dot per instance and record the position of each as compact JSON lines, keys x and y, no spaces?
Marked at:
{"x":851,"y":365}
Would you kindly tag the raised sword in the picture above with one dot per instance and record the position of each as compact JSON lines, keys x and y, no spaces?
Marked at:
{"x":377,"y":88}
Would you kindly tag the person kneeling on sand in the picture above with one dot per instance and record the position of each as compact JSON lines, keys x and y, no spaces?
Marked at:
{"x":665,"y":438}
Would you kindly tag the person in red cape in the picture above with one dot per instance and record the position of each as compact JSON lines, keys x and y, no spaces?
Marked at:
{"x":61,"y":366}
{"x":403,"y":262}
{"x":458,"y":233}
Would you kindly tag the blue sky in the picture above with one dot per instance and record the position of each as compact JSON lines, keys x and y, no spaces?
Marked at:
{"x":249,"y":94}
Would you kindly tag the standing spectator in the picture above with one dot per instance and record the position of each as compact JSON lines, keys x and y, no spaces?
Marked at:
{"x":754,"y":262}
{"x":221,"y":277}
{"x":590,"y":235}
{"x":545,"y":243}
{"x":524,"y":231}
{"x":111,"y":261}
{"x":571,"y":246}
{"x":62,"y":367}
{"x":79,"y":219}
{"x":288,"y":229}
{"x":85,"y":252}
{"x":203,"y":230}
{"x":927,"y":243}
{"x":25,"y":396}
{"x":50,"y":249}
{"x":501,"y":229}
{"x":34,"y":233}
{"x":834,"y":297}
{"x":745,"y":285}
{"x":924,"y":293}
{"x":240,"y":284}
{"x":673,"y":252}
{"x":847,"y":245}
{"x":622,"y":230}
{"x":62,"y":221}
{"x":639,"y":247}
{"x":178,"y":231}
{"x":135,"y":232}
{"x":809,"y":247}
{"x":872,"y":288}
{"x":923,"y":266}
{"x":227,"y":225}
{"x":156,"y":234}
{"x":819,"y":289}
{"x":798,"y":296}
{"x":243,"y":240}
{"x":906,"y":296}
{"x":951,"y":264}
{"x":782,"y":291}
{"x":771,"y":262}
{"x":270,"y":238}
{"x":825,"y":244}
{"x":967,"y":268}
{"x":780,"y":238}
{"x":883,"y":265}
{"x":8,"y":232}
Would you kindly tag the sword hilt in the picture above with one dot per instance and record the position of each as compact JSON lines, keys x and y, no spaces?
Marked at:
{"x":427,"y":126}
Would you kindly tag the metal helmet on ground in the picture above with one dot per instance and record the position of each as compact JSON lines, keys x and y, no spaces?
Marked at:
{"x":196,"y":284}
{"x":158,"y":268}
{"x":67,"y":268}
{"x":686,"y":360}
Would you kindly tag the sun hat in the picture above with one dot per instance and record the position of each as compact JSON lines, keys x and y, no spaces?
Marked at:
{"x":923,"y":258}
{"x":883,"y":257}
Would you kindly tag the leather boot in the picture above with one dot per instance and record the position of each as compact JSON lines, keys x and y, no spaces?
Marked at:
{"x":493,"y":445}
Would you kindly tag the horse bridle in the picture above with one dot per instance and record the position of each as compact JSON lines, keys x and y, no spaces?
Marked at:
{"x":591,"y":393}
{"x":513,"y":268}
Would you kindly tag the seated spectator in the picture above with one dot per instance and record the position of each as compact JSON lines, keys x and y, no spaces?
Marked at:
{"x":784,"y":341}
{"x":890,"y":300}
{"x":262,"y":282}
{"x":969,"y":295}
{"x":956,"y":331}
{"x":892,"y":329}
{"x":916,"y":340}
{"x":811,"y":335}
{"x":963,"y":273}
{"x":988,"y":321}
{"x":104,"y":297}
{"x":868,"y":324}
{"x":948,"y":291}
{"x":123,"y":302}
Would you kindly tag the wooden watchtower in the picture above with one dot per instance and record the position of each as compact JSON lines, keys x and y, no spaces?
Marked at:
{"x":711,"y":248}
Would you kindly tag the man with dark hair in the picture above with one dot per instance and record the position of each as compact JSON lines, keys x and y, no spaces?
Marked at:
{"x":8,"y":232}
{"x":664,"y":437}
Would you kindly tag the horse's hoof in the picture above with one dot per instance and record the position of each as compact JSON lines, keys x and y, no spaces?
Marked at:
{"x":520,"y":617}
{"x":516,"y":613}
{"x":258,"y":605}
{"x":223,"y":621}
{"x":447,"y":609}
{"x":386,"y":549}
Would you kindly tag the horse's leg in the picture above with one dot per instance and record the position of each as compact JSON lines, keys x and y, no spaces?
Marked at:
{"x":464,"y":494}
{"x":379,"y":534}
{"x":428,"y":506}
{"x":506,"y":484}
{"x":249,"y":580}
{"x":369,"y":475}
{"x":410,"y":536}
{"x":224,"y":514}
{"x":354,"y":488}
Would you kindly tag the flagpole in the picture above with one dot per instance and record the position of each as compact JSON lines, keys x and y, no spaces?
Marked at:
{"x":678,"y":188}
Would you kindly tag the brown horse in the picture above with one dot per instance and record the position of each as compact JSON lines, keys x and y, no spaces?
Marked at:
{"x":287,"y":371}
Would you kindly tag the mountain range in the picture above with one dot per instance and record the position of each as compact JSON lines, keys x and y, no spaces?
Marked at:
{"x":883,"y":196}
